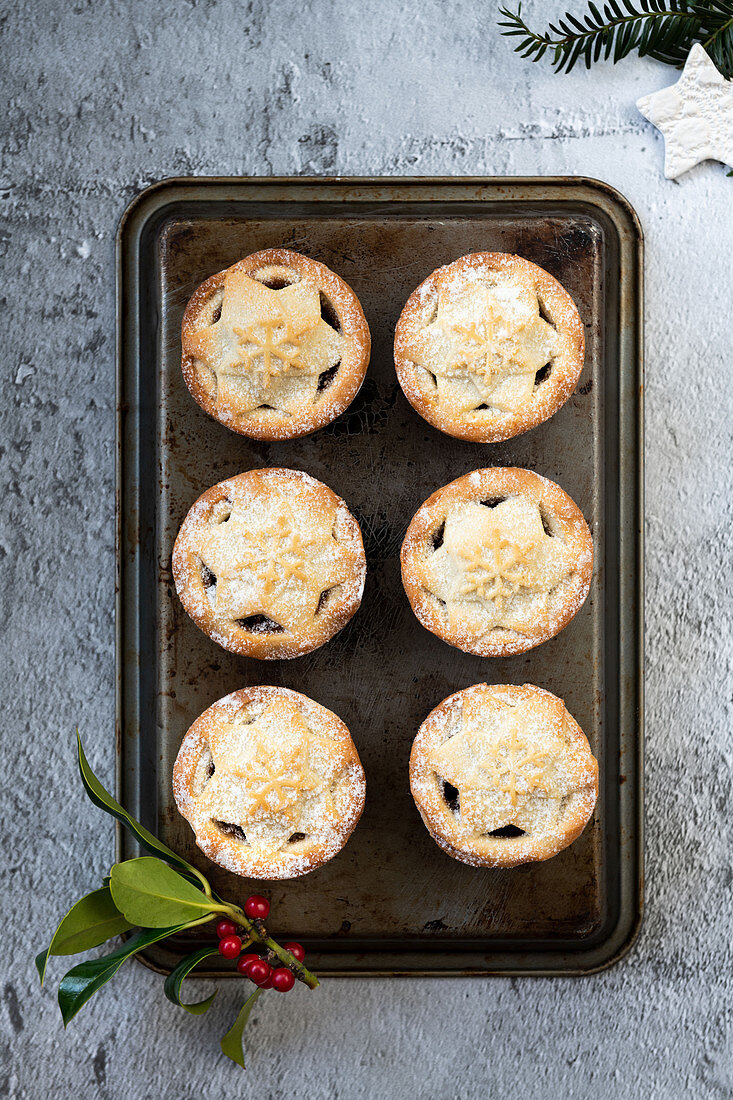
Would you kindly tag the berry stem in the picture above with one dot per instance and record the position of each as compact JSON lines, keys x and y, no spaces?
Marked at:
{"x":301,"y":972}
{"x":258,"y":933}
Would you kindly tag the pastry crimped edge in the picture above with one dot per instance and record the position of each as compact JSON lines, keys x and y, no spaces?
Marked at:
{"x":271,"y":426}
{"x":230,"y":853}
{"x":439,"y":819}
{"x":558,"y":306}
{"x":276,"y":645}
{"x":481,"y":485}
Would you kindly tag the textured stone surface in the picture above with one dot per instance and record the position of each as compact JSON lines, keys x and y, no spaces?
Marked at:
{"x":103,"y":98}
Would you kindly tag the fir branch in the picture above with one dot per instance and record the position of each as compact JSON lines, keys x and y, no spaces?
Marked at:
{"x":653,"y":28}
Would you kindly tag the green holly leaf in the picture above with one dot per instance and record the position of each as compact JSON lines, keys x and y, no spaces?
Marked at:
{"x":150,"y":893}
{"x":172,"y":986}
{"x":231,"y":1044}
{"x":85,"y":979}
{"x":104,"y":800}
{"x":94,"y":919}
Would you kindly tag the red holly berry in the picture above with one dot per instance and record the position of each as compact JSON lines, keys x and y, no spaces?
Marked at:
{"x":225,"y":929}
{"x":282,"y":979}
{"x":256,"y":907}
{"x":259,"y":971}
{"x":230,"y":947}
{"x":267,"y":984}
{"x":296,"y":950}
{"x":244,"y":961}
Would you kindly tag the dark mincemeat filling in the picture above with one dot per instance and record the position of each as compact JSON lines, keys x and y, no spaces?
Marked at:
{"x":228,"y":829}
{"x":507,"y":831}
{"x":326,"y":378}
{"x":260,"y":624}
{"x":450,"y":794}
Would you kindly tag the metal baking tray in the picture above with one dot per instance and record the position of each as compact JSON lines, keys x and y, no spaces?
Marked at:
{"x":391,"y":903}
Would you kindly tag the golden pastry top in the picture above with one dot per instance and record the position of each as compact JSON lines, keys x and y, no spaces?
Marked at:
{"x":496,"y":565}
{"x":488,"y":346}
{"x":271,"y":557}
{"x":269,"y":563}
{"x":268,"y":346}
{"x":270,"y":782}
{"x":266,"y":772}
{"x":511,"y":760}
{"x":486,"y":342}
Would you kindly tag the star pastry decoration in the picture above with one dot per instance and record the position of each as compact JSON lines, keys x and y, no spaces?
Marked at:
{"x":269,"y":559}
{"x":485,"y":345}
{"x":496,"y":566}
{"x":505,"y":767}
{"x":695,"y":115}
{"x":266,"y":772}
{"x":268,"y":347}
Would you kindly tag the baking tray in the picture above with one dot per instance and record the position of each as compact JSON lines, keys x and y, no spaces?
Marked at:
{"x":391,"y":903}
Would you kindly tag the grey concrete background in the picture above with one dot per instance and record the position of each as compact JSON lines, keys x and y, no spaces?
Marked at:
{"x":103,"y":98}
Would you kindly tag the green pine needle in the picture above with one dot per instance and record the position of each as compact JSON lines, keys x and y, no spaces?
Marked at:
{"x":651,"y":28}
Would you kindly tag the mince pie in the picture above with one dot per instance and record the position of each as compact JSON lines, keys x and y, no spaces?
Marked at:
{"x":270,"y":563}
{"x":497,"y":561}
{"x":275,"y":346}
{"x":489,"y":346}
{"x":270,"y":782}
{"x":503,"y":775}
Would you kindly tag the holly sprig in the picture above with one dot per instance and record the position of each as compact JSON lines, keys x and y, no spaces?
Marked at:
{"x":666,"y":31}
{"x":159,"y":895}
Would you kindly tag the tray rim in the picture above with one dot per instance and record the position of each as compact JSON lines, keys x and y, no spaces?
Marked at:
{"x":147,"y":204}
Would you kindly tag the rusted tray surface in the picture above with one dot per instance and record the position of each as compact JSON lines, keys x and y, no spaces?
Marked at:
{"x":392,"y":902}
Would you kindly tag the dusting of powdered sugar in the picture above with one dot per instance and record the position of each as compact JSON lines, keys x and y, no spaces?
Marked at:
{"x":297,"y":404}
{"x":268,"y":543}
{"x":522,"y":295}
{"x":480,"y":724}
{"x":435,"y":581}
{"x":330,"y":782}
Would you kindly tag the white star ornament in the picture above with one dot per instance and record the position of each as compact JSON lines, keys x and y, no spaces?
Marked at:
{"x":695,"y":115}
